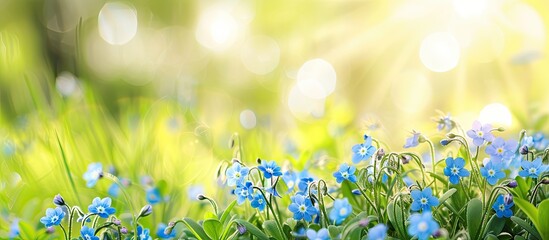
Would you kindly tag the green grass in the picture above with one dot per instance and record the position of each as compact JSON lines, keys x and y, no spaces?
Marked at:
{"x":174,"y":144}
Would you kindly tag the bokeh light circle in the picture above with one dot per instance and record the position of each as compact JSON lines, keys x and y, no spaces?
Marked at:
{"x":469,"y":8}
{"x":217,"y":29}
{"x":66,"y":84}
{"x":440,"y":52}
{"x":316,"y":78}
{"x":117,"y":23}
{"x":496,"y":114}
{"x":248,"y":119}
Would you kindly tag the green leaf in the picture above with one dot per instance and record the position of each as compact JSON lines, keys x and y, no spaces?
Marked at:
{"x":281,"y":186}
{"x":529,"y":210}
{"x":474,"y":217}
{"x":291,"y":222}
{"x":195,"y":228}
{"x":505,"y":236}
{"x":355,"y":233}
{"x":396,"y":217}
{"x":162,"y":186}
{"x":458,"y":213}
{"x":252,"y":229}
{"x":439,"y":178}
{"x":491,"y":237}
{"x":213,"y":228}
{"x":495,"y":225}
{"x":543,"y":215}
{"x":522,"y":188}
{"x":228,"y":228}
{"x":67,"y":169}
{"x":346,"y":189}
{"x":26,"y":231}
{"x":209,"y":215}
{"x":227,"y":211}
{"x":271,"y":227}
{"x":187,"y":232}
{"x":314,"y":226}
{"x":447,"y":195}
{"x":523,"y":224}
{"x":519,"y":237}
{"x":334,"y":231}
{"x":353,"y":228}
{"x":287,"y":231}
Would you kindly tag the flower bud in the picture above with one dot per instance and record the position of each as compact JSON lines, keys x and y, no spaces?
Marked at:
{"x":441,"y":233}
{"x":58,"y":200}
{"x":508,"y":199}
{"x":380,"y":153}
{"x":50,"y":230}
{"x":201,"y":197}
{"x":356,"y":192}
{"x":117,"y":222}
{"x":145,"y":211}
{"x":451,"y":135}
{"x":124,"y":230}
{"x":363,"y":222}
{"x":231,"y":143}
{"x":241,"y":229}
{"x":512,"y":184}
{"x":258,"y":160}
{"x":545,"y":181}
{"x":405,"y":159}
{"x":524,"y":150}
{"x":171,"y":224}
{"x":444,"y":142}
{"x":168,"y":230}
{"x":500,"y":129}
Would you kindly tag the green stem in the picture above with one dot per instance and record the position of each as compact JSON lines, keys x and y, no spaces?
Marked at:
{"x":465,"y":190}
{"x":119,"y":232}
{"x":376,"y":192}
{"x":103,"y":226}
{"x":432,"y":148}
{"x":86,"y":218}
{"x":71,"y":216}
{"x":64,"y":232}
{"x":368,"y":199}
{"x":269,"y":205}
{"x":535,"y":191}
{"x":483,"y":192}
{"x":95,"y":220}
{"x":250,"y":175}
{"x":419,"y":163}
{"x":321,"y":199}
{"x":276,"y":205}
{"x":240,"y":153}
{"x":475,"y":170}
{"x":495,"y":190}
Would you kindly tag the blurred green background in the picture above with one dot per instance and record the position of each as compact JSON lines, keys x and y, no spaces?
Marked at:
{"x":159,"y":87}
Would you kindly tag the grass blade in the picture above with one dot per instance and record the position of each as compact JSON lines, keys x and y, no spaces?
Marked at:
{"x":67,"y":170}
